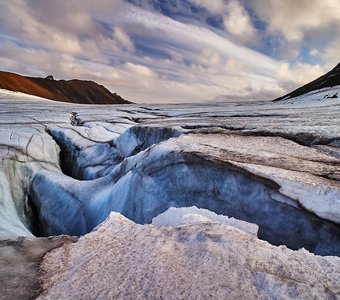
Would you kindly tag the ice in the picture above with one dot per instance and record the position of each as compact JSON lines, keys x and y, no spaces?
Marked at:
{"x":193,"y":215}
{"x":137,"y":138}
{"x":271,"y":164}
{"x":165,"y":175}
{"x":10,"y":222}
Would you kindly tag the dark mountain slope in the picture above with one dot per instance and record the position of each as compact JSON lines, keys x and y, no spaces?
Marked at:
{"x":74,"y":91}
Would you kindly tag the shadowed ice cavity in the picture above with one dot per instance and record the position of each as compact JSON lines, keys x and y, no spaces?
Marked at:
{"x":147,"y":184}
{"x":87,"y":159}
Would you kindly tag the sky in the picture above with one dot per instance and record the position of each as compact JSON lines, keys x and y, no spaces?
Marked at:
{"x":158,"y":51}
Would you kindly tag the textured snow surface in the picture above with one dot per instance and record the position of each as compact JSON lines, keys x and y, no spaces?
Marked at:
{"x":64,"y":168}
{"x":272,"y":168}
{"x":123,"y":260}
{"x":192,"y":215}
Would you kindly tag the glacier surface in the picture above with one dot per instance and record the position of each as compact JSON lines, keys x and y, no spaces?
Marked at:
{"x":65,"y":167}
{"x":166,"y":200}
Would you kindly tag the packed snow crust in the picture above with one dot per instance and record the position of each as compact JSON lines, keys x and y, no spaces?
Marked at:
{"x":124,"y":260}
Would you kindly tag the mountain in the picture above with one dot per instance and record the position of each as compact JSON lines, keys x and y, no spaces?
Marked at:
{"x":330,"y":79}
{"x":74,"y":91}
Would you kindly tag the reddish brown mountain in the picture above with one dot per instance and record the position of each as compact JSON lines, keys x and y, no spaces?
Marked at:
{"x":75,"y":91}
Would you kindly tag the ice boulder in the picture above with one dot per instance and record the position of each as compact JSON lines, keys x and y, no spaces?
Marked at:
{"x":193,"y":215}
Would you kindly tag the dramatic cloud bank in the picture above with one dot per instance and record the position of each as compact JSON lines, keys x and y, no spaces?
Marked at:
{"x":174,"y":51}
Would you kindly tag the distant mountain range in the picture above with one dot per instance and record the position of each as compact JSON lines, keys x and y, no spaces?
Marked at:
{"x":74,"y":91}
{"x":89,"y":92}
{"x":330,"y":79}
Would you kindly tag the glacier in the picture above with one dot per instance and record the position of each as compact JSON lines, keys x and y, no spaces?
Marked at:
{"x":246,"y":179}
{"x":66,"y":167}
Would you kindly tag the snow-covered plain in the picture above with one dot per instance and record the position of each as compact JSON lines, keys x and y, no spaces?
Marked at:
{"x":64,"y":167}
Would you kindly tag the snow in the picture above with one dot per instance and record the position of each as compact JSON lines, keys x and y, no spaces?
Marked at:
{"x":124,"y":260}
{"x":6,"y":94}
{"x":193,"y":215}
{"x":317,"y":97}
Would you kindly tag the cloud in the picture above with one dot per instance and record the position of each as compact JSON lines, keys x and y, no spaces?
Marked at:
{"x":143,"y":54}
{"x":123,"y":39}
{"x":295,"y":18}
{"x":330,"y":54}
{"x":139,"y":70}
{"x":238,"y":23}
{"x":215,"y":7}
{"x":64,"y":27}
{"x":191,"y":39}
{"x":305,"y":31}
{"x":292,"y":76}
{"x":210,"y":58}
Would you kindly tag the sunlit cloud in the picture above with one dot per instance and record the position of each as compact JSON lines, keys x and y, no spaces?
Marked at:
{"x":238,"y":22}
{"x":195,"y":51}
